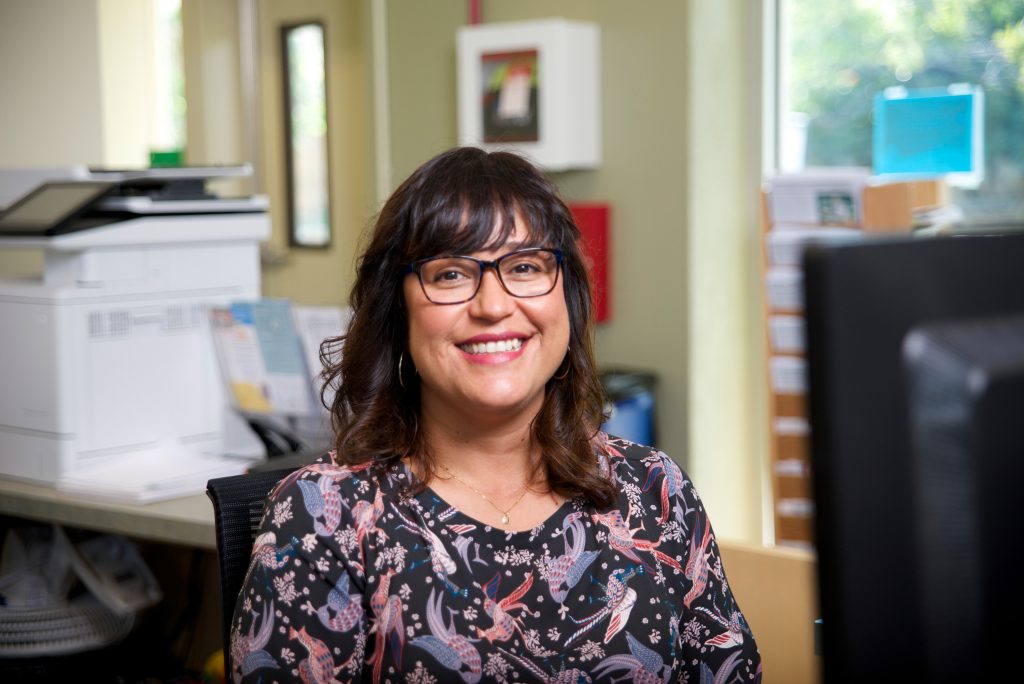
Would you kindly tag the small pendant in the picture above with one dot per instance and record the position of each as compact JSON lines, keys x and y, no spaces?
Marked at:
{"x":504,"y":519}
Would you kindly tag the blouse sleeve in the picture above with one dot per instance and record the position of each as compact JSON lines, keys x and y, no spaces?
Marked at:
{"x":300,"y":613}
{"x":714,"y":641}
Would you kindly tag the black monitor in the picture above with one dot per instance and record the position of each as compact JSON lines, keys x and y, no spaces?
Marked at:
{"x":965,"y":383}
{"x":879,"y":492}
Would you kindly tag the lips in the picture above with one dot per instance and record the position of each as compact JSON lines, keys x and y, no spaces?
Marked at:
{"x":511,"y":344}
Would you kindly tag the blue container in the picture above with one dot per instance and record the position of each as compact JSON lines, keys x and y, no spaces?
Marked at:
{"x":631,"y":403}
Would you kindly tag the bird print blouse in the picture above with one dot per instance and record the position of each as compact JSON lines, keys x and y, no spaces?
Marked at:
{"x":353,"y":579}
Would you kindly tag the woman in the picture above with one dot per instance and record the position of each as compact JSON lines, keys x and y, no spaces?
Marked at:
{"x":473,"y":524}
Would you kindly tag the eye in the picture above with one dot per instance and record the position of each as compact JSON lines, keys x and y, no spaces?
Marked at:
{"x":527,"y":265}
{"x":450,"y":276}
{"x":449,"y":273}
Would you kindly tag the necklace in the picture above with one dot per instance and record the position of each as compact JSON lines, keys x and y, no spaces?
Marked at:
{"x":504,"y":512}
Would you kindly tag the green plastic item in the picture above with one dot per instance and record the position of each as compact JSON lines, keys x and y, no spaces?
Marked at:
{"x":166,"y":158}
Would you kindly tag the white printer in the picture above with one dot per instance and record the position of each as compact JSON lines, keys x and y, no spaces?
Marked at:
{"x":109,"y":352}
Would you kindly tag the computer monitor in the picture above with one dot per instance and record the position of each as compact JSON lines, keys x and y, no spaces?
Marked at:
{"x":965,"y":383}
{"x":862,"y":302}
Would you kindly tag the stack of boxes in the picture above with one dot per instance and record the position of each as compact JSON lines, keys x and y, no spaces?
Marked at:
{"x":820,"y":207}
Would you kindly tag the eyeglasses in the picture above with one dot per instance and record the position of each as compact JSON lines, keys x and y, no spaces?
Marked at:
{"x":455,"y":279}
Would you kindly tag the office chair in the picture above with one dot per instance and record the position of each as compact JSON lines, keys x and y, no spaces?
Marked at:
{"x":238,"y":509}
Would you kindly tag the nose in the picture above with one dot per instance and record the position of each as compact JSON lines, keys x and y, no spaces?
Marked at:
{"x":491,"y":301}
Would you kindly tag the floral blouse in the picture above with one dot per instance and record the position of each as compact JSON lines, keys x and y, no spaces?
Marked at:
{"x":353,"y":580}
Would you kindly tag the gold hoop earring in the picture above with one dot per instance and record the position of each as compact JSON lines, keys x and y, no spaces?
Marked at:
{"x":400,"y":382}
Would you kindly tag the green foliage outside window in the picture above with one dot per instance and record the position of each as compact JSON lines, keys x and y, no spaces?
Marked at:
{"x":840,"y":53}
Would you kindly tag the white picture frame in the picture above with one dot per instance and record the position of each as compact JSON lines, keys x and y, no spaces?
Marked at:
{"x":532,"y":87}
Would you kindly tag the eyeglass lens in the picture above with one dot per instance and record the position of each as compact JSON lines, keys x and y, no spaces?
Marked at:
{"x":529,"y":273}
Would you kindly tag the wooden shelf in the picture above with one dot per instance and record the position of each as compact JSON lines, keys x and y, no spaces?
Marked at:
{"x":789,"y":443}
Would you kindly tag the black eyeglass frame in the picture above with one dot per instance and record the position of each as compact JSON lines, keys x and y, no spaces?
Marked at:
{"x":484,"y":264}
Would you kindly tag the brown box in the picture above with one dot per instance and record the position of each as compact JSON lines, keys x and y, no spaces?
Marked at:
{"x":928,"y":194}
{"x":792,"y":446}
{"x":790,"y":405}
{"x":794,"y":529}
{"x":794,"y":488}
{"x":890,"y":207}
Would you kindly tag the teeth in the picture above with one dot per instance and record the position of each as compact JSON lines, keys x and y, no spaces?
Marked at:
{"x":492,"y":347}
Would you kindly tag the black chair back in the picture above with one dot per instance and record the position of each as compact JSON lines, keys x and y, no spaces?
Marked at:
{"x":238,"y":503}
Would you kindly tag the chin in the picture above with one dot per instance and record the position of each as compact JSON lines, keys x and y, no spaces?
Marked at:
{"x":497,"y":401}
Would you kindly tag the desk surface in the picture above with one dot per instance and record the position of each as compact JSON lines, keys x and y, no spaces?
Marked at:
{"x":186,"y":520}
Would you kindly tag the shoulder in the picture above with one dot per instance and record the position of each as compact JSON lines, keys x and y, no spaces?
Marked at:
{"x":325,"y":480}
{"x":337,"y":507}
{"x":614,"y":451}
{"x":632,"y":463}
{"x":619,"y":448}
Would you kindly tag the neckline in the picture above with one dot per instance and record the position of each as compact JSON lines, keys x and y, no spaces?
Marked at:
{"x":446,"y":514}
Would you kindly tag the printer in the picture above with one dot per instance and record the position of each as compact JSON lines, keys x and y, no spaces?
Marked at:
{"x":109,"y":352}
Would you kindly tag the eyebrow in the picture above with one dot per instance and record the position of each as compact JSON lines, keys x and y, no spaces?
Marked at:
{"x":514,"y":247}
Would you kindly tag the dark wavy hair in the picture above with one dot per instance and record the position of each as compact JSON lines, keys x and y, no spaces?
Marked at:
{"x":451,"y":205}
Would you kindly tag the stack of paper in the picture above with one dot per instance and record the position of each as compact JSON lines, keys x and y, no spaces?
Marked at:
{"x":153,"y":475}
{"x":269,"y":354}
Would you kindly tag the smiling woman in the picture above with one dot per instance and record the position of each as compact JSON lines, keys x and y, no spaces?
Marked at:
{"x":469,"y":463}
{"x":469,"y":203}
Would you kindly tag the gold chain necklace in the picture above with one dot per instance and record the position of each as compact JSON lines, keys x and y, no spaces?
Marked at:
{"x":504,"y":512}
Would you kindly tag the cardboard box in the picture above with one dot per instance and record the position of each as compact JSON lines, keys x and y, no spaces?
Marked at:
{"x":890,"y":208}
{"x":792,"y":446}
{"x":790,"y":405}
{"x":928,"y":194}
{"x":793,"y":529}
{"x":794,"y":488}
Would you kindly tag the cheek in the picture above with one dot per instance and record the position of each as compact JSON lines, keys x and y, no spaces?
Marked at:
{"x":554,"y":316}
{"x":561,"y":308}
{"x":418,"y":316}
{"x":430,"y":328}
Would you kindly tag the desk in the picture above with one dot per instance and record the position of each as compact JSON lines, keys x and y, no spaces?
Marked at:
{"x":776,"y":588}
{"x":187,"y":521}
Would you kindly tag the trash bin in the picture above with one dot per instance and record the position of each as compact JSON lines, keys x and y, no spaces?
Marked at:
{"x":631,"y":397}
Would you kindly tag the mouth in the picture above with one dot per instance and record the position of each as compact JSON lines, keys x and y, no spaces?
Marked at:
{"x":493,"y":346}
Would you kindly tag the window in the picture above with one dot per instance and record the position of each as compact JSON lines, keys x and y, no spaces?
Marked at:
{"x":305,"y":83}
{"x":836,"y":55}
{"x":169,"y":80}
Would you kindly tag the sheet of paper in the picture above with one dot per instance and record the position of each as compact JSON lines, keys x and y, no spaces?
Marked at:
{"x":316,"y":324}
{"x":288,"y":384}
{"x":262,"y":357}
{"x":241,"y":361}
{"x":162,"y":471}
{"x":788,"y":374}
{"x":787,"y":334}
{"x":785,"y":288}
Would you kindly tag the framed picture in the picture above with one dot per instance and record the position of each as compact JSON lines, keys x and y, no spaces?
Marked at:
{"x":509,"y":99}
{"x":533,"y":87}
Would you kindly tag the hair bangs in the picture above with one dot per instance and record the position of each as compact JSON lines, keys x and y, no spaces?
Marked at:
{"x":482,"y":217}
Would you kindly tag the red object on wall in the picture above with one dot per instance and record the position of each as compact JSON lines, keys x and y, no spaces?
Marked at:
{"x":593,"y":222}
